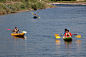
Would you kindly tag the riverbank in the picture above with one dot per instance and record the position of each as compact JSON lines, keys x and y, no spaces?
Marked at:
{"x":15,"y":7}
{"x":76,"y":3}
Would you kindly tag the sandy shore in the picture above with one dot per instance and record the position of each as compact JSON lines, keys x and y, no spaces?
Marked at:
{"x":76,"y":3}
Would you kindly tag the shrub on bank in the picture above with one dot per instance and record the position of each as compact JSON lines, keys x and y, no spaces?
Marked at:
{"x":6,"y":8}
{"x":38,"y":5}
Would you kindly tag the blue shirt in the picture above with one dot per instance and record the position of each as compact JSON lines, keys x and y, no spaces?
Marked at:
{"x":64,"y":33}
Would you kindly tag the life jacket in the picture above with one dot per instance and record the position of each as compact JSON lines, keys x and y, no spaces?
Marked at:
{"x":68,"y":34}
{"x":16,"y":30}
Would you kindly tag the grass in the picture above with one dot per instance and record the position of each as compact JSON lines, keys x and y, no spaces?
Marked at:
{"x":11,"y":6}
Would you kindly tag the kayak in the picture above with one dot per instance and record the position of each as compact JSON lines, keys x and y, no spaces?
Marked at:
{"x":35,"y":17}
{"x":18,"y":35}
{"x":67,"y":38}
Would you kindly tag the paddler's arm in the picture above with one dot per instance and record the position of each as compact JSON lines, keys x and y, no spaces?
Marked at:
{"x":63,"y":34}
{"x":18,"y":31}
{"x":12,"y":30}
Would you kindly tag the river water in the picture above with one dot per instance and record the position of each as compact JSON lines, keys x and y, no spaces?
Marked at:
{"x":39,"y":40}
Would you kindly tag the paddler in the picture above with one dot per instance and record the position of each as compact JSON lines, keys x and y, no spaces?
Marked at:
{"x":64,"y":32}
{"x":35,"y":15}
{"x":67,"y":34}
{"x":16,"y":30}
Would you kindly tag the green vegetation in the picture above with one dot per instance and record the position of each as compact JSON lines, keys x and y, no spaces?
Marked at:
{"x":12,"y":6}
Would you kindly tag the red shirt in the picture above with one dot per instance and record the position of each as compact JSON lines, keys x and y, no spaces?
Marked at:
{"x":68,"y":34}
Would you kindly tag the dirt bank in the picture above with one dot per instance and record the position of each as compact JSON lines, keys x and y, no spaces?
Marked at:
{"x":76,"y":3}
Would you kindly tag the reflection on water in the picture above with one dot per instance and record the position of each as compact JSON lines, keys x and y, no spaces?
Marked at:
{"x":57,"y":42}
{"x":78,"y":43}
{"x":20,"y":42}
{"x":19,"y":37}
{"x":79,"y":47}
{"x":68,"y":44}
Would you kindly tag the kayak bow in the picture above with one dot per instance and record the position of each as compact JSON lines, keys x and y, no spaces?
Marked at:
{"x":67,"y":38}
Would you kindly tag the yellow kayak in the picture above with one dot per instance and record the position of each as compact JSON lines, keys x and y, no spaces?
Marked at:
{"x":18,"y":35}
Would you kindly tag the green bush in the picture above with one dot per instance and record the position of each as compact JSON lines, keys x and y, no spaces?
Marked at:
{"x":22,"y":5}
{"x":39,"y":5}
{"x":34,"y":6}
{"x":3,"y":1}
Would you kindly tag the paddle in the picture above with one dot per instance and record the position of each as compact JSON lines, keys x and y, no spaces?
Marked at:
{"x":74,"y":34}
{"x":33,"y":13}
{"x":37,"y":12}
{"x":57,"y":37}
{"x":21,"y":31}
{"x":8,"y":29}
{"x":58,"y":34}
{"x":39,"y":17}
{"x":24,"y":32}
{"x":78,"y":36}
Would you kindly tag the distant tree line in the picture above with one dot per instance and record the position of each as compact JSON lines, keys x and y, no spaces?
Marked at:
{"x":3,"y":1}
{"x":61,"y":0}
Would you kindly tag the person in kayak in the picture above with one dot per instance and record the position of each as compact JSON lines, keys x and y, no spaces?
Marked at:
{"x":67,"y":34}
{"x":16,"y":30}
{"x":35,"y":15}
{"x":64,"y":32}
